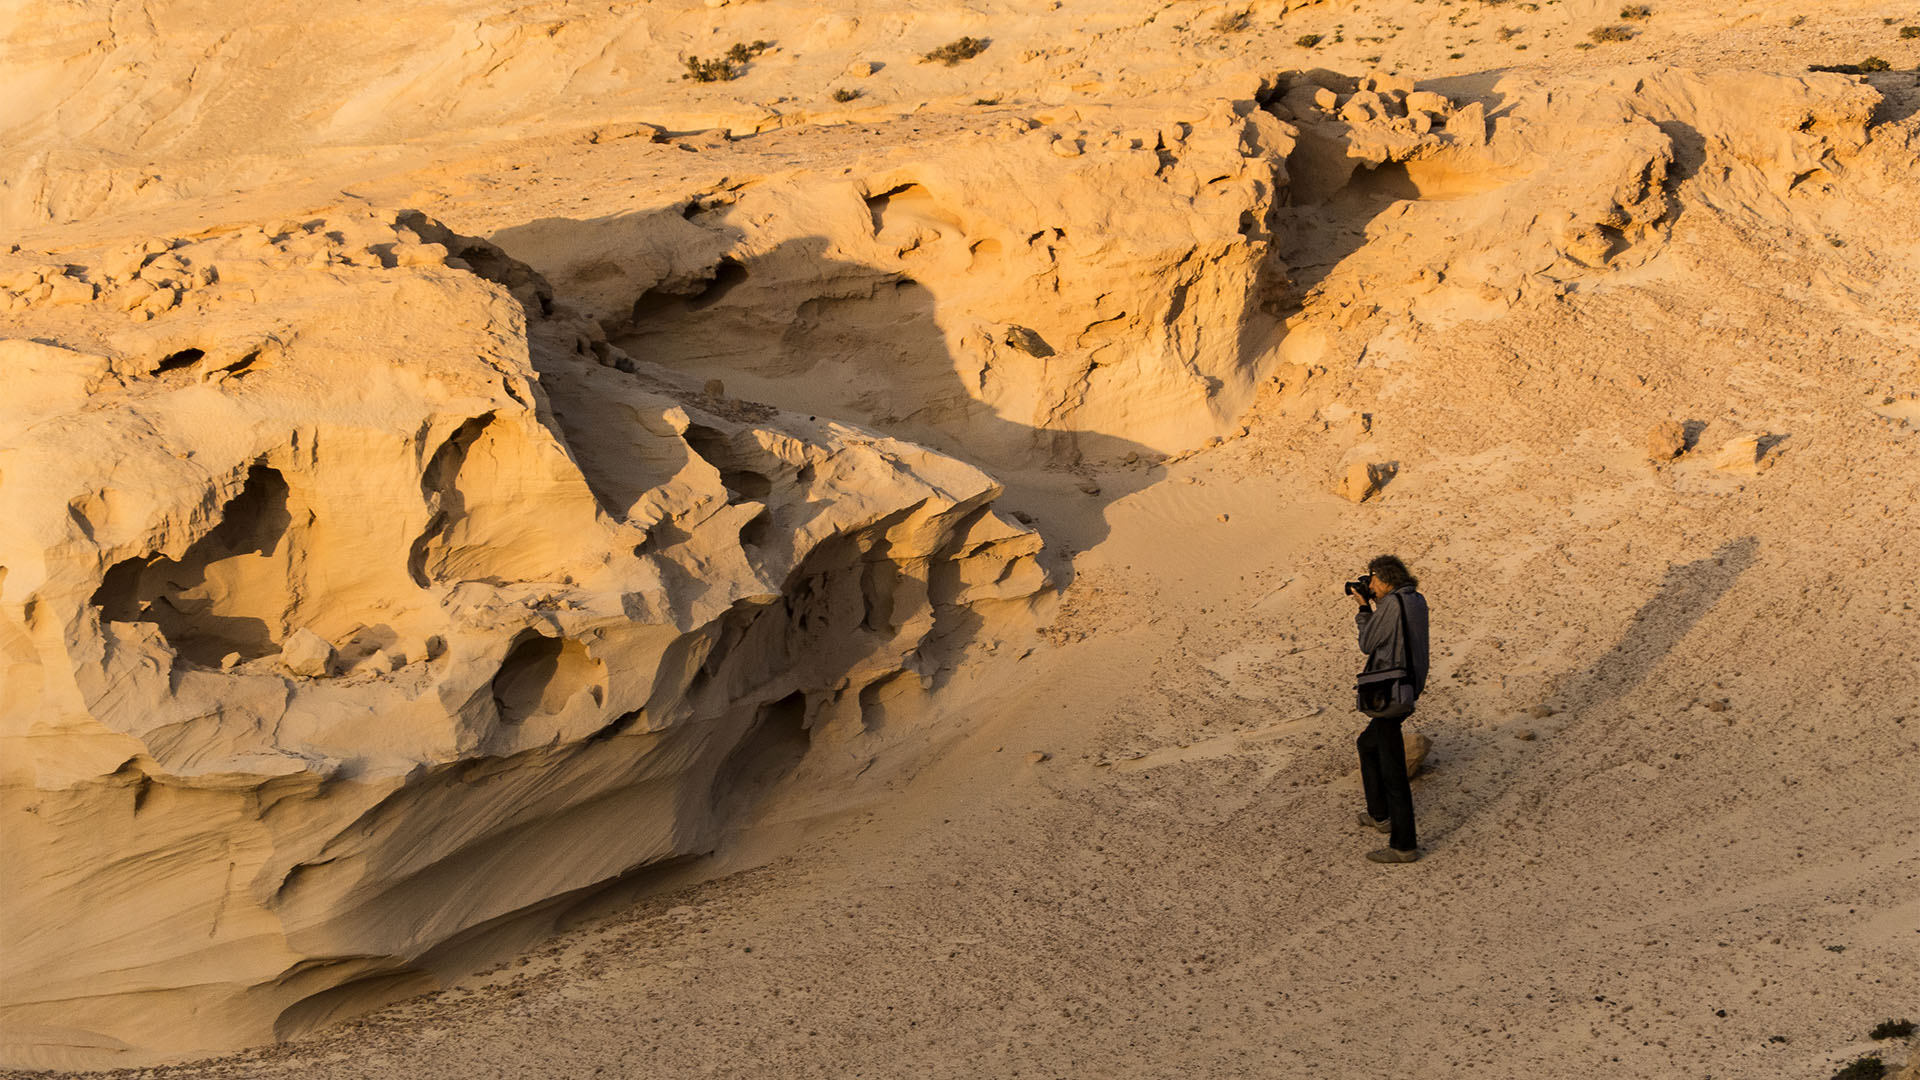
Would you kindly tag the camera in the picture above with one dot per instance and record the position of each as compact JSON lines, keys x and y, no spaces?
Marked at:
{"x":1363,"y":586}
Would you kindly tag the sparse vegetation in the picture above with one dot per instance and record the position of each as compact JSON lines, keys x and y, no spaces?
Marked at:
{"x":1865,"y":67}
{"x":1308,"y":41}
{"x":1635,"y":11}
{"x":1233,"y":22}
{"x":1869,"y":1067}
{"x":1909,"y":32}
{"x":1508,"y":33}
{"x":1456,"y":56}
{"x":959,"y":49}
{"x":718,"y":70}
{"x":1891,"y":1029}
{"x":986,"y":101}
{"x":845,"y":94}
{"x":724,"y":68}
{"x":743,"y":52}
{"x":1605,"y":34}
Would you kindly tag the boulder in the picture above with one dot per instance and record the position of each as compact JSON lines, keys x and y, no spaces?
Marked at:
{"x":1418,"y":746}
{"x":1667,"y":440}
{"x":307,"y":653}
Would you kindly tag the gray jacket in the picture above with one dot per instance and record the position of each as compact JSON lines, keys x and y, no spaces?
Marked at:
{"x":1382,"y":640}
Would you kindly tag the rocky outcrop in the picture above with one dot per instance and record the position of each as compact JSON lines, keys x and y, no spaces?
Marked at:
{"x":365,"y":586}
{"x":357,"y":600}
{"x":1462,"y":215}
{"x":1063,"y":287}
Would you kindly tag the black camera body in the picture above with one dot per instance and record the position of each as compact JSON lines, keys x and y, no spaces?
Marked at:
{"x":1363,"y":586}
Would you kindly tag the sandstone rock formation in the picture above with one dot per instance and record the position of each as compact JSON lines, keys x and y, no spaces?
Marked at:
{"x":353,"y":602}
{"x":367,"y":587}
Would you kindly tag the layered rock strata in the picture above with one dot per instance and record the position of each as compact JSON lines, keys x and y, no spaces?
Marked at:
{"x":354,"y":600}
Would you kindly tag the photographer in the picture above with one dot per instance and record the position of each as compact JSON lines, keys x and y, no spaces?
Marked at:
{"x":1393,"y":634}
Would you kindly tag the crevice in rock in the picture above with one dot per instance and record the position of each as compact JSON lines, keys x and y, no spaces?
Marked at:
{"x":443,"y":498}
{"x":227,"y":593}
{"x":541,"y":674}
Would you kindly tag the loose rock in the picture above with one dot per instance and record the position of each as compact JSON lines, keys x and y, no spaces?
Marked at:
{"x":307,"y":653}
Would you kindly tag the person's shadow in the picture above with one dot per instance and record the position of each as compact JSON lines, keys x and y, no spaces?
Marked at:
{"x":1687,"y":592}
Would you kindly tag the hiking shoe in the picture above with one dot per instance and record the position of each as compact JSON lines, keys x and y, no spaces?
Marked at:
{"x":1387,"y":854}
{"x":1367,"y":822}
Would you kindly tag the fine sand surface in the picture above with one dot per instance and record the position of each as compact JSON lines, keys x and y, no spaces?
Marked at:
{"x":1178,"y":889}
{"x":1668,"y":816}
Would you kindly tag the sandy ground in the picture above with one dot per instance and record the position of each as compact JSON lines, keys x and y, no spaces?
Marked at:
{"x":1644,"y":888}
{"x":1668,"y":820}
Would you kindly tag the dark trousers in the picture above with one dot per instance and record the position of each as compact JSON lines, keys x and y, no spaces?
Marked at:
{"x":1383,"y":773}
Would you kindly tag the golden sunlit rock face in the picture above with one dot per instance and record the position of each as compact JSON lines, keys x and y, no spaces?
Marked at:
{"x":458,"y":458}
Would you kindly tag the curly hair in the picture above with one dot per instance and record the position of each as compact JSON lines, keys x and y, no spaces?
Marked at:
{"x":1390,"y":569}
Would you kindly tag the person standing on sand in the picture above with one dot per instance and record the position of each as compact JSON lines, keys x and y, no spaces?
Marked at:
{"x":1390,"y":641}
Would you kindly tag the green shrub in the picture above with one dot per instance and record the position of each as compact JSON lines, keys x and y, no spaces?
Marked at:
{"x":1308,"y":41}
{"x":959,"y":49}
{"x":1910,"y":32}
{"x":719,"y":70}
{"x":725,"y":68}
{"x":741,"y":52}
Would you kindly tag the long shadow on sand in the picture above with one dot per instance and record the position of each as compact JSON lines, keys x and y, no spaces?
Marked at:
{"x":1685,"y":595}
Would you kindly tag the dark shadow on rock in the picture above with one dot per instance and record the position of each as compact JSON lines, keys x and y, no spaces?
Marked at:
{"x":1330,"y":201}
{"x":1689,"y":154}
{"x":1899,"y":96}
{"x":826,"y":338}
{"x":1690,"y":433}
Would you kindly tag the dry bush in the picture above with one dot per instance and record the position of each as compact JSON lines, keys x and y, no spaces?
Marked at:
{"x":1233,"y":22}
{"x":953,"y":52}
{"x":1308,"y":41}
{"x":1891,"y":1029}
{"x":1865,"y":67}
{"x":1869,"y":1067}
{"x":845,"y":94}
{"x":1604,"y":34}
{"x":1636,"y":11}
{"x":1508,"y":33}
{"x":1910,"y":32}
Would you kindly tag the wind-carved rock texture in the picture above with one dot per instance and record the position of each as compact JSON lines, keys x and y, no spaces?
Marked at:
{"x":354,"y":602}
{"x":983,"y":300}
{"x":362,"y":588}
{"x":1465,"y":215}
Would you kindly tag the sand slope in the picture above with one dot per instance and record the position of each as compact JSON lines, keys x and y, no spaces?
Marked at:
{"x":305,"y":715}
